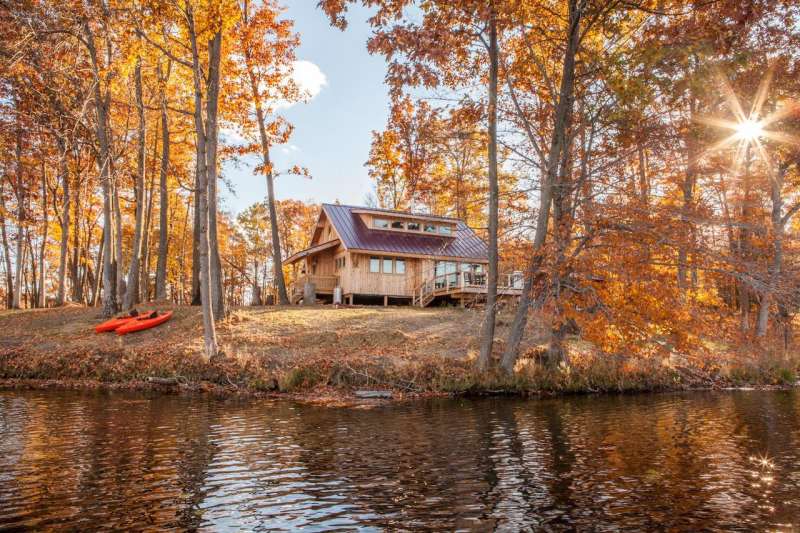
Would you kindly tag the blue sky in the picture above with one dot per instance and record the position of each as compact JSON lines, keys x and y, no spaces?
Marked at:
{"x":333,"y":130}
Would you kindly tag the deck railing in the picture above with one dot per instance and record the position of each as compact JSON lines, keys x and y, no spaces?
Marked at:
{"x":321,"y":283}
{"x":455,"y":281}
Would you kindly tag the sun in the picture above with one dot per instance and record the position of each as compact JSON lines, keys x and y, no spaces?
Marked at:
{"x":749,"y":130}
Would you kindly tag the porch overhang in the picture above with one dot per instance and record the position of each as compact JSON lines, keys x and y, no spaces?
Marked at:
{"x":311,"y":251}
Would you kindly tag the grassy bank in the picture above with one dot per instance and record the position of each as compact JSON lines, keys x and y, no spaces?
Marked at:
{"x":323,"y":352}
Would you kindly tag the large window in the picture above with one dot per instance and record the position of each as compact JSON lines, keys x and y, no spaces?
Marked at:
{"x":473,"y":273}
{"x":430,"y":228}
{"x":445,"y":230}
{"x":387,"y":265}
{"x":412,"y":226}
{"x":397,"y":224}
{"x":445,"y":272}
{"x":380,"y":223}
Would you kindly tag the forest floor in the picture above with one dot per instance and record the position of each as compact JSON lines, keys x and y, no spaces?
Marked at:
{"x":325,"y":353}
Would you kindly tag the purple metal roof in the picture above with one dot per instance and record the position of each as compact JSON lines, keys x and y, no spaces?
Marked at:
{"x":355,"y":235}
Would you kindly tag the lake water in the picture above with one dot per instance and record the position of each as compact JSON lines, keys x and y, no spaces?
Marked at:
{"x":724,"y":460}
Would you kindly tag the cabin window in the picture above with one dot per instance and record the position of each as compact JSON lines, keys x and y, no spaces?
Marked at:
{"x":412,"y":226}
{"x":445,"y":230}
{"x":445,"y":274}
{"x":399,"y":266}
{"x":374,"y":264}
{"x":397,"y":224}
{"x":380,"y":223}
{"x":476,"y":268}
{"x":430,"y":228}
{"x":340,"y":263}
{"x":387,"y":265}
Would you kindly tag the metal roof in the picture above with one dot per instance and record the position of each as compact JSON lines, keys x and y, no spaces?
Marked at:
{"x":355,"y":235}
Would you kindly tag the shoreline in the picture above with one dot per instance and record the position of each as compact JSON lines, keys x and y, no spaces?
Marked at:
{"x":344,"y":398}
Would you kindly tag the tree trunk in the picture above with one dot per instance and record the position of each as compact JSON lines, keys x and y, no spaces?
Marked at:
{"x":256,"y":299}
{"x":77,"y":252}
{"x":163,"y":206}
{"x":98,"y":266}
{"x":64,"y":251}
{"x":687,"y":190}
{"x":209,"y":332}
{"x":277,"y":262}
{"x":132,"y":292}
{"x":196,"y":238}
{"x":41,"y":294}
{"x":144,"y":278}
{"x":558,"y":143}
{"x":20,"y":194}
{"x":776,"y":268}
{"x":104,"y":165}
{"x":487,"y":331}
{"x":212,"y":104}
{"x":6,"y":248}
{"x":744,"y":246}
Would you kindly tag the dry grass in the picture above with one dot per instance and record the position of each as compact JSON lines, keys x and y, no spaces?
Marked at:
{"x":323,"y":351}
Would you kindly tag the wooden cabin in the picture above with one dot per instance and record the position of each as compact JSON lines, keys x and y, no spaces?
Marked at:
{"x":370,"y":255}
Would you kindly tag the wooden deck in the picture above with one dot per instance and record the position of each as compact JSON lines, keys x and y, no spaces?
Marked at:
{"x":465,"y":286}
{"x":323,"y":285}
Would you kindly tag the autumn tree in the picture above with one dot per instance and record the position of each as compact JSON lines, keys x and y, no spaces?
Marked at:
{"x":267,"y":45}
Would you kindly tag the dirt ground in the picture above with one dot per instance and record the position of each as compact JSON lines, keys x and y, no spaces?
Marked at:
{"x":281,"y":333}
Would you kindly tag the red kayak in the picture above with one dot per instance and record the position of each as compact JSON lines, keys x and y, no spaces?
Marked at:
{"x":114,"y":323}
{"x":144,"y":322}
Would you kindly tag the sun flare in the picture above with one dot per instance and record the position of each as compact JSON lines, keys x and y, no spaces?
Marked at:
{"x":749,"y":130}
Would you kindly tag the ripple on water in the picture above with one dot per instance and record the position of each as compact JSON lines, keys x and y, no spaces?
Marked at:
{"x":682,"y":461}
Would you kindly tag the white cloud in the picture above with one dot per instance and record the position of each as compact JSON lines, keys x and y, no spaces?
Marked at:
{"x":309,"y":78}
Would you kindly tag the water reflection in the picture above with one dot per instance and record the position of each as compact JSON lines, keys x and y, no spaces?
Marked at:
{"x":687,"y":462}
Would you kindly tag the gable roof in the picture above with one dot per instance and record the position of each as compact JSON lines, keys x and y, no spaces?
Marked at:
{"x":357,"y":236}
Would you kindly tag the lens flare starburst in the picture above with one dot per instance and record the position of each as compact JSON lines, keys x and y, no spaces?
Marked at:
{"x":751,"y":129}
